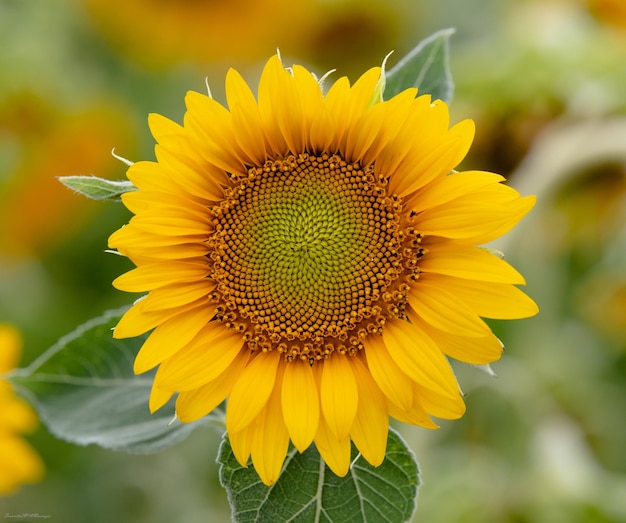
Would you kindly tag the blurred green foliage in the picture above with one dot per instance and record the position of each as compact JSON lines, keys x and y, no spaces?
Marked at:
{"x":544,"y":80}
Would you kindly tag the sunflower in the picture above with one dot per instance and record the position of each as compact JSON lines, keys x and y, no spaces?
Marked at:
{"x":19,"y":464}
{"x":312,"y":257}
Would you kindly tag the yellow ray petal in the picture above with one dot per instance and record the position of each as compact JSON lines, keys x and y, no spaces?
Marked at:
{"x":181,"y":161}
{"x":170,"y":336}
{"x":371,"y":425}
{"x":202,"y":360}
{"x":162,"y":127}
{"x":210,"y":125}
{"x":194,"y":404}
{"x":452,"y":186}
{"x":158,"y":398}
{"x":155,"y":202}
{"x":300,"y":402}
{"x":286,"y":108}
{"x":150,"y":277}
{"x":178,"y":295}
{"x":346,"y":105}
{"x":271,"y":439}
{"x":268,"y":97}
{"x":490,"y":300}
{"x":415,"y":415}
{"x":423,"y":164}
{"x":478,"y":219}
{"x":419,"y":357}
{"x":170,"y":226}
{"x":473,"y":350}
{"x":151,"y":176}
{"x":338,"y":394}
{"x":405,"y":140}
{"x":394,"y":114}
{"x":136,"y":320}
{"x":443,"y":407}
{"x":437,"y":306}
{"x":251,"y":392}
{"x":334,"y":451}
{"x":394,"y":383}
{"x":471,"y":263}
{"x":241,"y":444}
{"x":246,"y":118}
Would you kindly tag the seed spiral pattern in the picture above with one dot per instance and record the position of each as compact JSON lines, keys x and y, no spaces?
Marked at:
{"x":310,"y":255}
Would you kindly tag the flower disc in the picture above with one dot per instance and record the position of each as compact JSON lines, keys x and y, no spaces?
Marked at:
{"x":307,"y":256}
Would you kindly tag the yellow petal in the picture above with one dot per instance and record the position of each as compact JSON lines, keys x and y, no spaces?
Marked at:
{"x":157,"y":275}
{"x":252,"y":390}
{"x":136,"y":320}
{"x":338,"y":394}
{"x":371,"y":425}
{"x":444,"y":407}
{"x":210,"y":127}
{"x":241,"y":444}
{"x":158,"y":398}
{"x":162,"y":127}
{"x":473,"y":350}
{"x":300,"y":402}
{"x":169,"y":337}
{"x":451,"y":187}
{"x":246,"y":118}
{"x":151,"y":176}
{"x":180,"y":159}
{"x":129,"y":237}
{"x":202,"y":360}
{"x":194,"y":404}
{"x":268,"y":99}
{"x":490,"y":300}
{"x":419,"y":357}
{"x":178,"y":295}
{"x":271,"y":439}
{"x":415,"y":415}
{"x":394,"y":383}
{"x":478,"y":219}
{"x":471,"y":263}
{"x":443,"y":310}
{"x":334,"y":451}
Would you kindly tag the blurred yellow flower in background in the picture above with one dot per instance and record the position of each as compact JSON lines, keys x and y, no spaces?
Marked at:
{"x":37,"y":213}
{"x":19,"y":464}
{"x":161,"y":32}
{"x":310,"y":257}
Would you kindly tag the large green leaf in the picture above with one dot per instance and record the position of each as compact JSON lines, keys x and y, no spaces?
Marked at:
{"x":85,"y":391}
{"x":425,"y":67}
{"x":307,"y":491}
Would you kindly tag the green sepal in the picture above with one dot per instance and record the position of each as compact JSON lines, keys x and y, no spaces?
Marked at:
{"x":97,"y":188}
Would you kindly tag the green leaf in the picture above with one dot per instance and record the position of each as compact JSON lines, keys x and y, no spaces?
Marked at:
{"x":425,"y":67}
{"x":97,"y":188}
{"x":85,"y":391}
{"x":307,"y":491}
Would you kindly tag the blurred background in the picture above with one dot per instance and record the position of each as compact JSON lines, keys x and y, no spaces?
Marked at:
{"x":545,"y":81}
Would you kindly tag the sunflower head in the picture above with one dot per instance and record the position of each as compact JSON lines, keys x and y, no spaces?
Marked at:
{"x":312,"y":256}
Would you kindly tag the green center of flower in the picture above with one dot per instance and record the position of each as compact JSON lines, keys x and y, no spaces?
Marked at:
{"x":310,"y":255}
